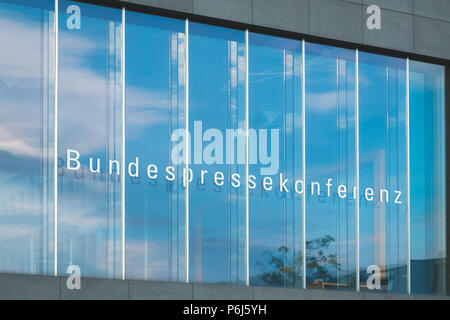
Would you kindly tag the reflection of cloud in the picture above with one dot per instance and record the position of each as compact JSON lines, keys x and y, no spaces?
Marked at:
{"x":16,"y":231}
{"x":85,"y":96}
{"x":85,"y":213}
{"x":323,"y":102}
{"x":88,"y":100}
{"x":12,"y":143}
{"x":20,"y":97}
{"x":79,"y":47}
{"x":18,"y":58}
{"x":85,"y":93}
{"x":145,"y":108}
{"x":331,"y":168}
{"x":157,"y":259}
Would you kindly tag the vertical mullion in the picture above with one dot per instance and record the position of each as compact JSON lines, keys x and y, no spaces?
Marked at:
{"x":357,"y":168}
{"x":123,"y":143}
{"x":55,"y":159}
{"x":303,"y":168}
{"x":187,"y":155}
{"x":408,"y":194}
{"x":247,"y":208}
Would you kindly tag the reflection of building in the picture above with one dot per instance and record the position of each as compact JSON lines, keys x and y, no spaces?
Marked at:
{"x":117,"y":84}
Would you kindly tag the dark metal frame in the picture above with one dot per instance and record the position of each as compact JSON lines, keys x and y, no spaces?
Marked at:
{"x":447,"y":173}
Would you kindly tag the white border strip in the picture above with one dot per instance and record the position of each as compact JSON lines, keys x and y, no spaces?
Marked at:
{"x":247,"y":205}
{"x":408,"y":194}
{"x":123,"y":143}
{"x":55,"y":165}
{"x":186,"y":190}
{"x":303,"y":167}
{"x":357,"y":168}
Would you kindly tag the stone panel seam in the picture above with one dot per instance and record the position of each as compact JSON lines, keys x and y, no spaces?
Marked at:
{"x":363,"y":22}
{"x":431,"y":20}
{"x":414,"y":32}
{"x":253,"y":6}
{"x":435,"y":19}
{"x":309,"y":16}
{"x":60,"y":284}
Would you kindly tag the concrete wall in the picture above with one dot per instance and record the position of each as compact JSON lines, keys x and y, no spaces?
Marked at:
{"x":417,"y":26}
{"x":22,"y":287}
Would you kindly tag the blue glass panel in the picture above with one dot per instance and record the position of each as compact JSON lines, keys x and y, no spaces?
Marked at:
{"x":382,"y":128}
{"x":427,"y":154}
{"x":275,"y":120}
{"x":26,"y":137}
{"x":155,"y":107}
{"x":90,"y":122}
{"x":330,"y":162}
{"x":216,"y":210}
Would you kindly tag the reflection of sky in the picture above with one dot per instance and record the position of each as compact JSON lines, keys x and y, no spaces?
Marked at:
{"x":427,"y":160}
{"x":89,"y":121}
{"x":154,"y":108}
{"x":383,"y":163}
{"x":427,"y":176}
{"x":20,"y":70}
{"x":330,"y":151}
{"x":216,"y":213}
{"x":275,"y":103}
{"x":25,"y":192}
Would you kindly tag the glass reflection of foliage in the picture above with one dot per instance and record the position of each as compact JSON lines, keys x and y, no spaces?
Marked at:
{"x":280,"y":272}
{"x":319,"y":263}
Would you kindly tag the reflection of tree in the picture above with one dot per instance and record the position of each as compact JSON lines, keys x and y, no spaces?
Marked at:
{"x":320,"y":264}
{"x":281,"y":273}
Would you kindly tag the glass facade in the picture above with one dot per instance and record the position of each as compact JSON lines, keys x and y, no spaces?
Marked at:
{"x":154,"y":106}
{"x":216,"y":106}
{"x":383,"y":158}
{"x":427,"y":139}
{"x":90,"y":104}
{"x":27,"y":93}
{"x":275,"y":229}
{"x":330,"y":160}
{"x":188,"y":152}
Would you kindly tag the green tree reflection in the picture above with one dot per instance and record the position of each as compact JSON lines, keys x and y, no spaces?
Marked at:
{"x":321,"y":265}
